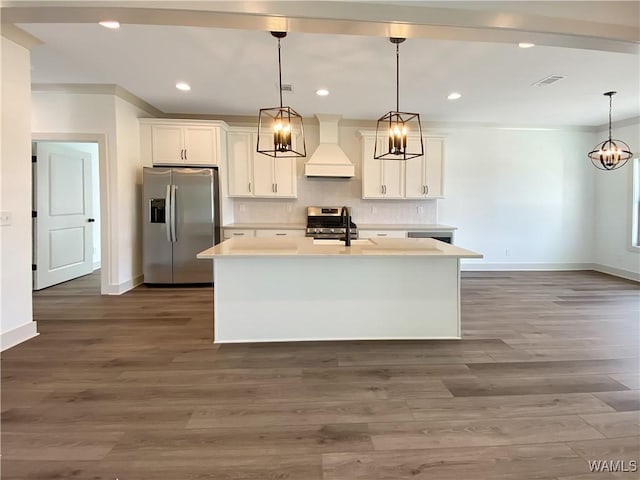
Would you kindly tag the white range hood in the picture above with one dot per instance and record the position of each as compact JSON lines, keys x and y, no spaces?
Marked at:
{"x":329,"y":160}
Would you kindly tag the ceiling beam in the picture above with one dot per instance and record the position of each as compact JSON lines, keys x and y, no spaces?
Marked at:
{"x":350,"y":18}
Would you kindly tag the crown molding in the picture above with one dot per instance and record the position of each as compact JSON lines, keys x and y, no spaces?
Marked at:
{"x":98,"y":89}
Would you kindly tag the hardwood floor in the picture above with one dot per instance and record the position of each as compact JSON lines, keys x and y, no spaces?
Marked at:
{"x":131,"y":387}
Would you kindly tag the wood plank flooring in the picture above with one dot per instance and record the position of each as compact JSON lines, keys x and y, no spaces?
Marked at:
{"x":545,"y":379}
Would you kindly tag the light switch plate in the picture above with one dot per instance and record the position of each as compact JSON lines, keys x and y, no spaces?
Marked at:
{"x":5,"y":219}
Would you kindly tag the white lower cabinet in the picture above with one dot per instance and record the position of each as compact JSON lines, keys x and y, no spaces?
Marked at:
{"x":382,"y":234}
{"x":280,"y":233}
{"x":262,"y":232}
{"x":252,"y":174}
{"x":238,"y":232}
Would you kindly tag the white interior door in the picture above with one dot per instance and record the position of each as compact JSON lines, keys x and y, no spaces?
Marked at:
{"x":63,"y":233}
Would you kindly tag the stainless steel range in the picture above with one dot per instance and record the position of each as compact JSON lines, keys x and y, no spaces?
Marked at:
{"x":327,"y":223}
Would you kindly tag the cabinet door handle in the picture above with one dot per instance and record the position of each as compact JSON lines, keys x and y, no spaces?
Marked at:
{"x":281,"y":234}
{"x":381,"y":188}
{"x":426,"y":189}
{"x":249,"y":186}
{"x":276,"y":188}
{"x":181,"y":154}
{"x":385,"y":189}
{"x":239,"y":234}
{"x":185,"y":154}
{"x":382,"y":234}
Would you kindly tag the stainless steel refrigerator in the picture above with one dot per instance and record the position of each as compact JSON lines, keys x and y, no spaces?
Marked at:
{"x":181,"y":218}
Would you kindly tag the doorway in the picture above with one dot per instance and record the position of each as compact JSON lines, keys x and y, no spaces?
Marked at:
{"x":66,"y":211}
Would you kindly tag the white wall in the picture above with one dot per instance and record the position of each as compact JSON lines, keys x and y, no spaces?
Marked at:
{"x":613,"y":210}
{"x":129,"y":192}
{"x":524,"y":199}
{"x":16,"y":313}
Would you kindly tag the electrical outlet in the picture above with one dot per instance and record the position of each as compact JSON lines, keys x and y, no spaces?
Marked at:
{"x":374,"y":210}
{"x":5,"y":219}
{"x":420,"y":209}
{"x":243,"y":208}
{"x":506,"y":252}
{"x":289,"y":208}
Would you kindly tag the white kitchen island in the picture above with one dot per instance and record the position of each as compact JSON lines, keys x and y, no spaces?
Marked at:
{"x":295,"y":289}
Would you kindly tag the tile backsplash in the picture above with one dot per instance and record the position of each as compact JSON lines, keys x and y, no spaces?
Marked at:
{"x":334,"y":192}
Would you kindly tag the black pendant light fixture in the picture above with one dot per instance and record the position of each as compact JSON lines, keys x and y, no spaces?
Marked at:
{"x":276,"y":125}
{"x":611,"y":153}
{"x":394,"y":126}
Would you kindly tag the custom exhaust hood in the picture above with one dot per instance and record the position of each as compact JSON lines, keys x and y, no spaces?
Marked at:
{"x":329,"y":160}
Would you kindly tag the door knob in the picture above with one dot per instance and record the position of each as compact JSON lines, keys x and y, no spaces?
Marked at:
{"x":91,"y":220}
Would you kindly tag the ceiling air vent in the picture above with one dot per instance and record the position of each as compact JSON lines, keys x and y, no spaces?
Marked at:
{"x":549,"y":80}
{"x":286,"y":87}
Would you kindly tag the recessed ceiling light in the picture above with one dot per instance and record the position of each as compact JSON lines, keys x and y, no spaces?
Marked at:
{"x":110,"y":24}
{"x":526,"y":45}
{"x":185,"y":87}
{"x":454,"y":96}
{"x":323,"y":92}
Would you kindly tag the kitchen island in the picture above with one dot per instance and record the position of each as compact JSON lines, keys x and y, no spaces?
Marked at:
{"x":298,"y":289}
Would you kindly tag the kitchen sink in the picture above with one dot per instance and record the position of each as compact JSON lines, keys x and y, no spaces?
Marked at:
{"x":325,"y":241}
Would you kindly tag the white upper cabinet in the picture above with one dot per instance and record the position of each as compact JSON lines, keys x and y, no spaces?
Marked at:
{"x":240,"y":165}
{"x":420,"y":177}
{"x":423,"y":177}
{"x":182,"y":142}
{"x":380,"y":178}
{"x":252,"y":174}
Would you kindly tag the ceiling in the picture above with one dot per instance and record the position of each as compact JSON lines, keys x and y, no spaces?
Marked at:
{"x":233,"y":71}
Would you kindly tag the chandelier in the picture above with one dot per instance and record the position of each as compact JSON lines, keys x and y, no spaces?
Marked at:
{"x":611,"y":153}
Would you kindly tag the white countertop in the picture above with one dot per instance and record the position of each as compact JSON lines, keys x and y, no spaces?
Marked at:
{"x":304,"y":246}
{"x":361,"y":226}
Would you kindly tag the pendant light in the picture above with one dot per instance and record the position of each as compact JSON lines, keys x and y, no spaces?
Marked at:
{"x":394,"y":126}
{"x":276,"y":125}
{"x":611,"y":153}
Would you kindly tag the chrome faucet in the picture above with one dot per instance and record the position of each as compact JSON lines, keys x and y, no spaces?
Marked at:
{"x":346,"y":222}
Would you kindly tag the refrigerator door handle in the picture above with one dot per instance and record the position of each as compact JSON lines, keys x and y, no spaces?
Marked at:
{"x":174,"y":234}
{"x":167,"y":202}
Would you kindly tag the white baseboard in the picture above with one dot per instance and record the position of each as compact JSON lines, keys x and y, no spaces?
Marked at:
{"x":510,"y":267}
{"x":18,"y":335}
{"x":529,"y":266}
{"x":618,"y":272}
{"x":119,"y":289}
